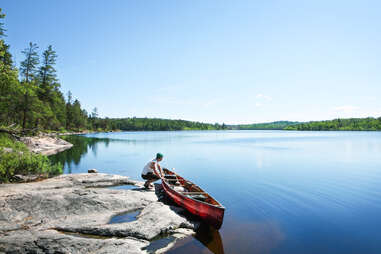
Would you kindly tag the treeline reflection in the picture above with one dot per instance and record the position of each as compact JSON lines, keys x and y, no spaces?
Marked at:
{"x":81,"y":146}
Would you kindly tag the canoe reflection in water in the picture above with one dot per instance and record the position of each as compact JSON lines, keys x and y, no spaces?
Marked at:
{"x":236,"y":237}
{"x":207,"y":236}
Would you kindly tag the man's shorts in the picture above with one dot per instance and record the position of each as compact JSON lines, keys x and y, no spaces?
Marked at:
{"x":150,"y":176}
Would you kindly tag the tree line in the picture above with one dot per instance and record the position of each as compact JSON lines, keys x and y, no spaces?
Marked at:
{"x":278,"y":125}
{"x":157,"y":124}
{"x":350,"y":124}
{"x":30,"y":98}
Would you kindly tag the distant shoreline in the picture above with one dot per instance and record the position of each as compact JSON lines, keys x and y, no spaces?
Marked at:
{"x":285,"y":130}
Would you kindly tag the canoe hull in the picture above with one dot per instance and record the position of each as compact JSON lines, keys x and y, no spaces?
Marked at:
{"x":213,"y":215}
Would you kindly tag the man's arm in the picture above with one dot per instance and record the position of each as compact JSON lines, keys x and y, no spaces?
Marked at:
{"x":161,"y":171}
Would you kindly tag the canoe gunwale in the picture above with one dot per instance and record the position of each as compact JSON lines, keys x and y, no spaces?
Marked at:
{"x":179,"y":193}
{"x":186,"y":197}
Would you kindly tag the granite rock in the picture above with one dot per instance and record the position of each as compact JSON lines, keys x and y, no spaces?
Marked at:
{"x":71,"y":214}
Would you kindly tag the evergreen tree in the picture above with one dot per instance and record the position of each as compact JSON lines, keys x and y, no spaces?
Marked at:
{"x":47,"y":74}
{"x":58,"y":106}
{"x":9,"y":86}
{"x":28,"y":70}
{"x":2,"y":29}
{"x":10,"y":90}
{"x":28,"y":67}
{"x":54,"y":115}
{"x":69,"y":111}
{"x":78,"y":120}
{"x":94,"y":114}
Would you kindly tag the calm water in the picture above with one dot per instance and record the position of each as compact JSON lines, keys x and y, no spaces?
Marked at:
{"x":285,"y":192}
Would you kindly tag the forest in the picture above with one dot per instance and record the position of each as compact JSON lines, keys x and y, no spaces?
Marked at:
{"x":30,"y":95}
{"x":30,"y":98}
{"x":278,"y":125}
{"x":350,"y":124}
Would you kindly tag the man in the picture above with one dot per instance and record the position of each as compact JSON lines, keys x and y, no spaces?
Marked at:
{"x":152,"y":171}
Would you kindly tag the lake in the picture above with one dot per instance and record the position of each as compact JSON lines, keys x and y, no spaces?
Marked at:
{"x":284,"y":191}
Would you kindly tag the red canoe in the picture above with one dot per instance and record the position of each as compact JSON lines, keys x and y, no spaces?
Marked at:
{"x":193,"y":198}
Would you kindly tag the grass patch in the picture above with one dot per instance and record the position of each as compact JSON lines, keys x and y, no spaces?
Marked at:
{"x":19,"y":161}
{"x":7,"y":141}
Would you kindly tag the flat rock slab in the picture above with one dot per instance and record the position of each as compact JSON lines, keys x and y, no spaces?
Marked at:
{"x":46,"y":145}
{"x":70,"y":214}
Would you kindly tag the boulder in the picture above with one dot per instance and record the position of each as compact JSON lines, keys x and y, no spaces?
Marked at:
{"x":92,"y":171}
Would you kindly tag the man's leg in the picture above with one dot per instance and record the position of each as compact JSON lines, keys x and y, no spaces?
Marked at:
{"x":148,"y":183}
{"x":150,"y":177}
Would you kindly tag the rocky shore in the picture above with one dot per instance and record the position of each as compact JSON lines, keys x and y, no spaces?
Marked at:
{"x":71,"y":214}
{"x":46,"y":144}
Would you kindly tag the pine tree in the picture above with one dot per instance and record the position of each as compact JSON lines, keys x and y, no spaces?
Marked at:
{"x":10,"y":90}
{"x":36,"y":100}
{"x":77,"y":114}
{"x":2,"y":29}
{"x":28,"y":70}
{"x":94,"y":114}
{"x":69,"y":111}
{"x":28,"y":67}
{"x":53,"y":114}
{"x":47,"y":74}
{"x":9,"y":85}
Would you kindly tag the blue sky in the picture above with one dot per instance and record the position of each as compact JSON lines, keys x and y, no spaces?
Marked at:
{"x":210,"y":61}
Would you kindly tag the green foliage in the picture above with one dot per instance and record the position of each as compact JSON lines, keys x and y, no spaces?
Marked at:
{"x":21,"y":161}
{"x":10,"y":90}
{"x":37,"y":102}
{"x":81,"y":145}
{"x":2,"y":30}
{"x":13,"y":163}
{"x":279,"y":125}
{"x":7,"y":141}
{"x":47,"y":75}
{"x":351,"y":124}
{"x":28,"y":67}
{"x":153,"y":124}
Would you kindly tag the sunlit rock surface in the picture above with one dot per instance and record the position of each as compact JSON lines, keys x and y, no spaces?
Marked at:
{"x":70,"y":214}
{"x":46,"y":145}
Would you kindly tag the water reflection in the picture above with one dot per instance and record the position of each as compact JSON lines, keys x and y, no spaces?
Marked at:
{"x":256,"y":236}
{"x":237,"y":236}
{"x":285,"y":192}
{"x":210,"y":238}
{"x":81,"y":146}
{"x":124,"y":217}
{"x":206,"y":240}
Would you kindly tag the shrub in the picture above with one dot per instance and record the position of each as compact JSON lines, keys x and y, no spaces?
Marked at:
{"x":26,"y":163}
{"x":7,"y":141}
{"x":21,"y":161}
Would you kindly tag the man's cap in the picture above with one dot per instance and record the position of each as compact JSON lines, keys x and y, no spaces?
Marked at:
{"x":159,"y":155}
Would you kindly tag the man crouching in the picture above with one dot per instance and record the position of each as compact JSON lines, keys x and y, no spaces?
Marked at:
{"x":152,"y":171}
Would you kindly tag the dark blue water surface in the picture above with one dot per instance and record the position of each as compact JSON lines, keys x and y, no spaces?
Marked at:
{"x":284,"y":191}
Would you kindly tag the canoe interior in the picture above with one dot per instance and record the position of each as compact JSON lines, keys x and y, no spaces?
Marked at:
{"x":190,"y":189}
